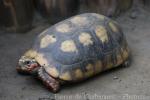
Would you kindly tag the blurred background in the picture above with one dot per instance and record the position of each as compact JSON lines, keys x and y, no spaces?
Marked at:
{"x":21,"y":15}
{"x":22,"y":20}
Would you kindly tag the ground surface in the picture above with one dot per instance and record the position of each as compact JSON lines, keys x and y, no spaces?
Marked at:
{"x":131,"y":83}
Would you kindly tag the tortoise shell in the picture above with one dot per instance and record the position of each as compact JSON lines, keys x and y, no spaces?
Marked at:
{"x":80,"y":47}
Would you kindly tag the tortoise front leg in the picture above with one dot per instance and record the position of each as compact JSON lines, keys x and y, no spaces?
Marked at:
{"x":51,"y":83}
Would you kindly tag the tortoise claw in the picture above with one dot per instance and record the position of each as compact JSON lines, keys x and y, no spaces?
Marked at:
{"x":51,"y":83}
{"x":127,"y":63}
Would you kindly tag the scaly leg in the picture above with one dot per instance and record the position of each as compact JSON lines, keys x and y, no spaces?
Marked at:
{"x":51,"y":83}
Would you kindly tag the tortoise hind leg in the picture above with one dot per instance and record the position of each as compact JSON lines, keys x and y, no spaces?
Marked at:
{"x":51,"y":83}
{"x":127,"y":63}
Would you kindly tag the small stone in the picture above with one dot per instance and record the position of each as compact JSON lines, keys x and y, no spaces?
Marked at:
{"x":115,"y":78}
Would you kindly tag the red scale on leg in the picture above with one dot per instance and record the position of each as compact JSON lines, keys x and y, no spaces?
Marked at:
{"x":51,"y":83}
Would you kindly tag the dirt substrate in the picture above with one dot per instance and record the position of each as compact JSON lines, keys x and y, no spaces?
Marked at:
{"x":114,"y":84}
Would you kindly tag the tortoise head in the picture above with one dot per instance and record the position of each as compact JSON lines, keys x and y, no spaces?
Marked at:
{"x":27,"y":65}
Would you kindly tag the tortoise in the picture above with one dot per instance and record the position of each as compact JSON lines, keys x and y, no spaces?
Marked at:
{"x":75,"y":49}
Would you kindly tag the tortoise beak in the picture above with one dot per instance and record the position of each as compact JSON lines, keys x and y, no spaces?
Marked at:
{"x":21,"y":70}
{"x":27,"y":69}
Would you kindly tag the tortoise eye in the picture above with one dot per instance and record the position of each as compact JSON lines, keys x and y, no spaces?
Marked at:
{"x":27,"y":62}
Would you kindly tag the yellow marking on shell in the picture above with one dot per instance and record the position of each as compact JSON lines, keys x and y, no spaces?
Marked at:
{"x":78,"y":20}
{"x":65,"y":76}
{"x":85,"y":39}
{"x":68,"y":46}
{"x":78,"y":74}
{"x":46,"y":40}
{"x":109,"y":63}
{"x":98,"y":67}
{"x":113,"y":26}
{"x":63,"y":28}
{"x":89,"y":70}
{"x":52,"y":71}
{"x":125,"y":53}
{"x":101,"y":17}
{"x":101,"y":33}
{"x":30,"y":53}
{"x":119,"y":59}
{"x":41,"y":60}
